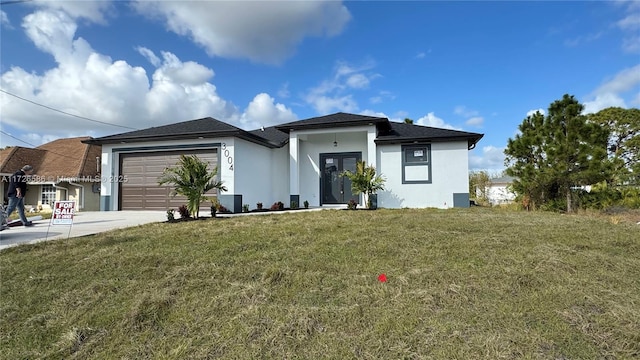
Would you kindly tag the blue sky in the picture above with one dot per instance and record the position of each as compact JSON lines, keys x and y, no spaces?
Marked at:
{"x":475,"y":66}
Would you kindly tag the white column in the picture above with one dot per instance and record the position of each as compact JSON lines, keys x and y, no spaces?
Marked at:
{"x":294,"y":171}
{"x":371,"y":147}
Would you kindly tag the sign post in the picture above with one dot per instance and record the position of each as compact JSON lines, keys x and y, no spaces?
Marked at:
{"x":63,"y":213}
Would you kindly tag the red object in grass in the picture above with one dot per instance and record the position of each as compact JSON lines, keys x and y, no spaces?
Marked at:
{"x":382,"y":278}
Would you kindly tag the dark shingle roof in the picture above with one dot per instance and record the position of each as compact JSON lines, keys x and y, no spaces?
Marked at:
{"x":405,"y":133}
{"x":272,"y":135}
{"x":277,"y":136}
{"x":334,"y":120}
{"x":206,"y":128}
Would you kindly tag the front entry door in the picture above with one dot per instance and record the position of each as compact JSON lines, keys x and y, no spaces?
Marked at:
{"x":336,"y":189}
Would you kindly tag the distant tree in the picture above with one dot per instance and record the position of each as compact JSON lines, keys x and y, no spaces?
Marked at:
{"x":479,"y":182}
{"x":191,"y":178}
{"x":555,"y":153}
{"x":623,"y":144}
{"x":408,"y":121}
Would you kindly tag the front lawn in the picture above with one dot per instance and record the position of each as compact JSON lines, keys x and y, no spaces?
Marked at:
{"x":461,"y":284}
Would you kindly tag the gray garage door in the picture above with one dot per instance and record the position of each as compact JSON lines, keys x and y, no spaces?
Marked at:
{"x":141,"y":191}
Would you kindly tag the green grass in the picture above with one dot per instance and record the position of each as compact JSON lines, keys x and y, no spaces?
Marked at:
{"x":462,"y":284}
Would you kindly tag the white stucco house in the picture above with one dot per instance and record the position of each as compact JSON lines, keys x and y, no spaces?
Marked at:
{"x":298,"y":161}
{"x":499,"y":191}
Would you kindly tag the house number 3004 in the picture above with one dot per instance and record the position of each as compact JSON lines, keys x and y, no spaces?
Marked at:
{"x":226,"y":154}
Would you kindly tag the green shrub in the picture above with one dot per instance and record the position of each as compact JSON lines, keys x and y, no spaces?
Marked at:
{"x":170,"y":215}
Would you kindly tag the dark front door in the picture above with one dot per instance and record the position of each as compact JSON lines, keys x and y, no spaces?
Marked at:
{"x":336,"y":189}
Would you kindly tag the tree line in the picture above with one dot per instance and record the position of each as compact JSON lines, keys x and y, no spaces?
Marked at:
{"x":555,"y":158}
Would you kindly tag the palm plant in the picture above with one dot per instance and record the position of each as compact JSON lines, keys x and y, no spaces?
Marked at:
{"x":364,"y":180}
{"x":191,"y":178}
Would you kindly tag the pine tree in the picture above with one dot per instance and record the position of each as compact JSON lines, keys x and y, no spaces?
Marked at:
{"x":556,"y":153}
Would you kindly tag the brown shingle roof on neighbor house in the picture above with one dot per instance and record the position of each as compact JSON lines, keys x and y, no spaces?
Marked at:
{"x":62,"y":158}
{"x":14,"y":158}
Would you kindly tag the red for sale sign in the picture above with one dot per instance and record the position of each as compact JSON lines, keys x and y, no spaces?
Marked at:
{"x":63,"y":213}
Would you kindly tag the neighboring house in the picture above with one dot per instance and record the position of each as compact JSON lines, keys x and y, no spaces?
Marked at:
{"x":64,"y":169}
{"x":499,"y":191}
{"x":298,"y":161}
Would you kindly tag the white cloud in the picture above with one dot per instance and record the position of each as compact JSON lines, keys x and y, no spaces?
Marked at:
{"x":428,"y":120}
{"x":327,"y":104}
{"x":149,"y":55}
{"x":612,"y":92}
{"x":631,"y":22}
{"x":473,"y":115}
{"x":464,"y":112}
{"x":583,"y":39}
{"x":93,"y":11}
{"x":88,"y":84}
{"x":421,"y":55}
{"x":603,"y":101}
{"x":488,"y":158}
{"x":263,"y":111}
{"x":283,"y":92}
{"x":625,"y":80}
{"x":432,"y":120}
{"x":4,"y":20}
{"x":629,"y":25}
{"x":532,"y":112}
{"x":357,"y":81}
{"x":330,"y":95}
{"x":262,"y":31}
{"x":53,"y":32}
{"x":476,"y":121}
{"x":369,"y":112}
{"x":382,"y":96}
{"x":631,"y":44}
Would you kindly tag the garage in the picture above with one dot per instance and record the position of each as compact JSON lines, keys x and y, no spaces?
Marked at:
{"x":139,"y":189}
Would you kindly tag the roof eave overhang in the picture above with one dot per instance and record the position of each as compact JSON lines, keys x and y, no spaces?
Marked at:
{"x":241,"y":134}
{"x":292,"y":127}
{"x":471,"y":140}
{"x":148,"y":138}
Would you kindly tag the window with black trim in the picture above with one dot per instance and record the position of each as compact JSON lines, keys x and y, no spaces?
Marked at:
{"x":416,"y":164}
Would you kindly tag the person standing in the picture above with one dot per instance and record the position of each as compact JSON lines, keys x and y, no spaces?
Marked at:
{"x":17,"y":191}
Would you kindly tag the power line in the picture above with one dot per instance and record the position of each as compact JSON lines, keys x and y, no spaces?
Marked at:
{"x":12,"y":2}
{"x":13,"y":137}
{"x":35,"y":147}
{"x":66,"y":113}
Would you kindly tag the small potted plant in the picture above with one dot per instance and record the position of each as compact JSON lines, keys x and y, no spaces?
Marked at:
{"x":214,"y":207}
{"x":306,"y":204}
{"x":171,"y":215}
{"x":259,"y":206}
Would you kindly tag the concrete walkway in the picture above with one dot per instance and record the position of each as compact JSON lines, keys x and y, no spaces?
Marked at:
{"x":84,"y":223}
{"x":93,"y":222}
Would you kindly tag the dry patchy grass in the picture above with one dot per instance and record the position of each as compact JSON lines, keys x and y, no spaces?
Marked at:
{"x":462,"y":284}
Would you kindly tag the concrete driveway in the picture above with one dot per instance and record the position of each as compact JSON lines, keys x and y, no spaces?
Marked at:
{"x":84,"y":223}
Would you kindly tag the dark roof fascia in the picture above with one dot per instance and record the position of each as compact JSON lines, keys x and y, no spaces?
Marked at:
{"x":241,"y":134}
{"x":245,"y":135}
{"x":388,"y":140}
{"x":313,"y":126}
